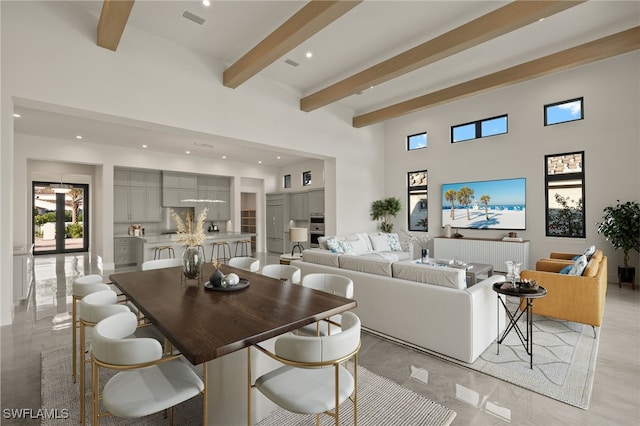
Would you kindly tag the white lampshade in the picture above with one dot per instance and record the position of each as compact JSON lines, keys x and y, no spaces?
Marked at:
{"x":298,"y":234}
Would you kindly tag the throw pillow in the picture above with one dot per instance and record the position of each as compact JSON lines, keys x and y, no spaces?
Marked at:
{"x":334,"y":245}
{"x":380,"y":242}
{"x":578,"y":267}
{"x":565,"y":270}
{"x":589,"y":251}
{"x":345,"y":247}
{"x":394,"y":242}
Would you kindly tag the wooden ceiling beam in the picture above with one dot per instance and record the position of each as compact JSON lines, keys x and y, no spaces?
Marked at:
{"x":496,"y":23}
{"x":313,"y":17}
{"x":113,"y":20}
{"x":606,"y":47}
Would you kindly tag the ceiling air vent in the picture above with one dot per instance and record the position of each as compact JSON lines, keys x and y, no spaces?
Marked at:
{"x":292,"y":63}
{"x":193,"y":17}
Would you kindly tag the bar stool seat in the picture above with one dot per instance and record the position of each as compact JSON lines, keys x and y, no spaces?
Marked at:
{"x":245,"y":248}
{"x":221,"y":246}
{"x":157,"y":253}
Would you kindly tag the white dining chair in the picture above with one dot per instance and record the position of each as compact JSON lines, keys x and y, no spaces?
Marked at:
{"x":149,"y":265}
{"x":94,"y":307}
{"x":81,"y":287}
{"x":302,"y":385}
{"x":250,"y":264}
{"x":286,"y":273}
{"x":328,"y":283}
{"x":147,"y":382}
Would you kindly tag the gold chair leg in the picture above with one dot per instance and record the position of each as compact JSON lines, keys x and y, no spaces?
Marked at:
{"x":74,"y":326}
{"x":205,"y":401}
{"x":249,"y":386}
{"x":82,"y":373}
{"x":95,"y":395}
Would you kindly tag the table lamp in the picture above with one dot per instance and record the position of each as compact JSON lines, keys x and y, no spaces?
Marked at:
{"x":297,"y":235}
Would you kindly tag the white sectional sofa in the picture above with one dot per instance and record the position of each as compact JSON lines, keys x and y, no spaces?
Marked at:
{"x":429,"y":307}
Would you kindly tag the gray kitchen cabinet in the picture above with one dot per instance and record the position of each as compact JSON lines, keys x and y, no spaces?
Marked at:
{"x":215,"y":188}
{"x":277,"y":222}
{"x":177,"y":187}
{"x":316,"y":201}
{"x":122,"y":251}
{"x":299,"y":206}
{"x":139,"y":200}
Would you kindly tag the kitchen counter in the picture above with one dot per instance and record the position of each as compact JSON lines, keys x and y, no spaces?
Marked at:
{"x":211,"y":237}
{"x":146,"y":244}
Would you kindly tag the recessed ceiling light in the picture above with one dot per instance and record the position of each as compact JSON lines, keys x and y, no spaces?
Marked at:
{"x":206,"y":2}
{"x":16,"y":115}
{"x":79,"y":137}
{"x":309,"y":55}
{"x":187,"y":152}
{"x":278,"y":157}
{"x":224,"y":157}
{"x":145,"y":146}
{"x":260,"y":162}
{"x":541,"y":19}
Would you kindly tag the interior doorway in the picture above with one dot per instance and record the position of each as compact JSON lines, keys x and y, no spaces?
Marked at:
{"x":248,"y":216}
{"x":60,"y":217}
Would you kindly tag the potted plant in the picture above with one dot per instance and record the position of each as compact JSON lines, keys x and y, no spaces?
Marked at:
{"x":621,"y":227}
{"x":384,"y":210}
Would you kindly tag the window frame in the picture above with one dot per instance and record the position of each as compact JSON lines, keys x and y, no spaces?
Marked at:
{"x":551,"y":181}
{"x":286,"y":181}
{"x":305,"y":181}
{"x":555,"y":104}
{"x":478,"y":128}
{"x":426,"y":141}
{"x":417,"y":190}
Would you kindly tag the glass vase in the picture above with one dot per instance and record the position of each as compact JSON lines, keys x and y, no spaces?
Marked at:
{"x":425,"y":255}
{"x":192,"y":259}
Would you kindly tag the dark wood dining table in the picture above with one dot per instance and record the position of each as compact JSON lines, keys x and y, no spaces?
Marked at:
{"x":205,"y":324}
{"x":209,"y":326}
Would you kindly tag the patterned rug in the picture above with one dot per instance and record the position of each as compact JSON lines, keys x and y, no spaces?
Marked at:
{"x":380,"y":402}
{"x":564,"y":360}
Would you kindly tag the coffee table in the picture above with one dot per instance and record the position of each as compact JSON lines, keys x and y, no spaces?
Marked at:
{"x":473,"y":270}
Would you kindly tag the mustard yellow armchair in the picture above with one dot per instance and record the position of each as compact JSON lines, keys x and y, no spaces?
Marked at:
{"x":571,"y":298}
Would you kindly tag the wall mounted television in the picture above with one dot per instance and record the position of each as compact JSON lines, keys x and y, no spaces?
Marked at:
{"x":488,"y":204}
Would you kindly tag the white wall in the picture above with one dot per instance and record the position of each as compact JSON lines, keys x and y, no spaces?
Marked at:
{"x":51,"y":59}
{"x":609,"y":135}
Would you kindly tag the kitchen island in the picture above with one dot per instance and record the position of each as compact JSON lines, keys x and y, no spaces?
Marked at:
{"x":146,"y":244}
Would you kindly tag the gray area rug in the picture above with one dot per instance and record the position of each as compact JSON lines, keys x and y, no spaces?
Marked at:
{"x":564,"y":360}
{"x":380,"y":402}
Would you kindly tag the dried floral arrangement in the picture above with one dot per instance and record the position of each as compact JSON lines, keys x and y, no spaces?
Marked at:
{"x":190,"y":233}
{"x":421,"y":239}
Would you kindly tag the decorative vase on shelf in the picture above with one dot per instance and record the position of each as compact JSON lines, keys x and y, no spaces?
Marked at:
{"x":192,"y":262}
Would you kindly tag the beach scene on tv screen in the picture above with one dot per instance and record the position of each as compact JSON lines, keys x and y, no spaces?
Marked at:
{"x":491,"y":204}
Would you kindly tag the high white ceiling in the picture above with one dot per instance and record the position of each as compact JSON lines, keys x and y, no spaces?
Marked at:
{"x":368,"y":34}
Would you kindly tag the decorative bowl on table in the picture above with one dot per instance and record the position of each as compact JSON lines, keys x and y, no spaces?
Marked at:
{"x":528,"y":285}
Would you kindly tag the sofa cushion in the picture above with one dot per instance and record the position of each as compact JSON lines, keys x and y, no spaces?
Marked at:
{"x":321,"y":257}
{"x":372,"y":263}
{"x":578,"y":266}
{"x":341,"y":245}
{"x":430,"y":274}
{"x":592,"y":268}
{"x":359,"y":243}
{"x":380,"y":242}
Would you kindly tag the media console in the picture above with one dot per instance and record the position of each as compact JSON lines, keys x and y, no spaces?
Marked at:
{"x":483,"y":250}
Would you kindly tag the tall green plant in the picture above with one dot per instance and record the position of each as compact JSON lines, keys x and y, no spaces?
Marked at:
{"x":384,"y":210}
{"x":621,"y":227}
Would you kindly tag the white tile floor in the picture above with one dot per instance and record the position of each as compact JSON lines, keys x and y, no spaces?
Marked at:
{"x":44,"y":322}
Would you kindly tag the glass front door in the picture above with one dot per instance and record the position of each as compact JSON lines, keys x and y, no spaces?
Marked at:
{"x":60,"y":217}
